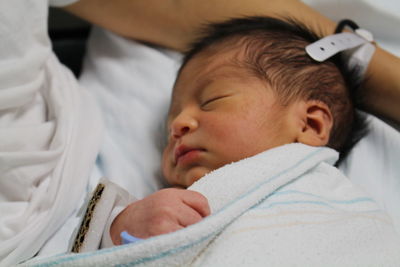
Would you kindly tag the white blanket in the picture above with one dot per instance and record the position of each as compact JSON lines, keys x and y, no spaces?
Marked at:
{"x":285,"y":207}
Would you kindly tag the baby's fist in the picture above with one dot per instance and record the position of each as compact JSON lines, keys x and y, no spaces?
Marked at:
{"x":165,"y":211}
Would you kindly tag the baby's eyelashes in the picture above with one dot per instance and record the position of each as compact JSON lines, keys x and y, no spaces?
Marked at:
{"x":205,"y":103}
{"x":209,"y":102}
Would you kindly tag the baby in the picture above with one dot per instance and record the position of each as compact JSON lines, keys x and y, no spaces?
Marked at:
{"x":246,"y":87}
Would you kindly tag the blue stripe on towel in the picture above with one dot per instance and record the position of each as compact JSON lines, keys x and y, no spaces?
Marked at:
{"x":294,"y":202}
{"x":181,"y":248}
{"x":350,"y":201}
{"x":322,"y":202}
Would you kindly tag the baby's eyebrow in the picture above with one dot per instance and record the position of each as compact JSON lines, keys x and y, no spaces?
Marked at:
{"x":216,"y":72}
{"x":203,"y":84}
{"x":199,"y":87}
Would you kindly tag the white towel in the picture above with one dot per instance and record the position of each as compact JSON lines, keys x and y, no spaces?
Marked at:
{"x":284,"y":207}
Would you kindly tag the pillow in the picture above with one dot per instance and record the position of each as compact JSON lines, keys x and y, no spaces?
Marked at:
{"x":373,"y":164}
{"x":132,"y":83}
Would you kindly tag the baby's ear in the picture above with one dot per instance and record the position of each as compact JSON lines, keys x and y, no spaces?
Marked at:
{"x":317,"y":123}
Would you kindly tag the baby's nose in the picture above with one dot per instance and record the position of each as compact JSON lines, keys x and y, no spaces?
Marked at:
{"x":183,"y":124}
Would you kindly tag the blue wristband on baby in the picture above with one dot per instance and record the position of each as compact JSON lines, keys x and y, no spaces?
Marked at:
{"x":128,"y":239}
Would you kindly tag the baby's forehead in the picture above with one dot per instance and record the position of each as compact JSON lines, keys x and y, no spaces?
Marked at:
{"x":211,"y":64}
{"x":224,"y":52}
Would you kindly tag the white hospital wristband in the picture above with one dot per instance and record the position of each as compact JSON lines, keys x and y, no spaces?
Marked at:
{"x":356,"y":46}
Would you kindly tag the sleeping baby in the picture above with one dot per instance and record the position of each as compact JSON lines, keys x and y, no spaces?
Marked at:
{"x":245,"y":89}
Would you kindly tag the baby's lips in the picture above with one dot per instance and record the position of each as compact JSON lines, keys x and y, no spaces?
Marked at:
{"x":181,"y":150}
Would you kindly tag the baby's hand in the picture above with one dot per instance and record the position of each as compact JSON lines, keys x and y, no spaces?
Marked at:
{"x":165,"y":211}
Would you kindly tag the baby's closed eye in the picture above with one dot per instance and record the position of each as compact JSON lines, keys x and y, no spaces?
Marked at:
{"x":210,"y":101}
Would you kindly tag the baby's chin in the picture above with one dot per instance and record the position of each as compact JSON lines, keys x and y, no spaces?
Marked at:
{"x":193,"y":175}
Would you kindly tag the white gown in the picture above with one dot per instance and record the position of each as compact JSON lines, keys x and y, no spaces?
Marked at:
{"x":50,"y":133}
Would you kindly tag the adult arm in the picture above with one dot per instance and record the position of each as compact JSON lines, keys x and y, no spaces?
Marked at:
{"x":176,"y":23}
{"x":383,"y":85}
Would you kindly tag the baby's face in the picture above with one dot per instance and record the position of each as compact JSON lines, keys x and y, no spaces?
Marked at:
{"x":219,"y":114}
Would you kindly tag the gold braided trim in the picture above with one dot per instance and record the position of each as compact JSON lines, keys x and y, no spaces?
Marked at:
{"x":84,"y":228}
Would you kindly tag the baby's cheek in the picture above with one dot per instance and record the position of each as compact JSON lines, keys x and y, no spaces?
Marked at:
{"x":237,"y":145}
{"x":166,"y":166}
{"x":220,"y":128}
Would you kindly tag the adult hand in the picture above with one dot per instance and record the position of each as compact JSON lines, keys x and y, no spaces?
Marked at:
{"x":165,"y":211}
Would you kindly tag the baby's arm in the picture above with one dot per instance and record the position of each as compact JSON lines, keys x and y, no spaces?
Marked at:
{"x":165,"y":211}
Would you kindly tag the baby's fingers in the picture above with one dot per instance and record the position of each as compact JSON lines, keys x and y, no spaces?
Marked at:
{"x":188,"y":216}
{"x":163,"y":227}
{"x":196,"y":201}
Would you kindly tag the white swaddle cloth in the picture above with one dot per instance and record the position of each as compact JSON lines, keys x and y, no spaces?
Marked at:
{"x":284,"y":207}
{"x":46,"y":119}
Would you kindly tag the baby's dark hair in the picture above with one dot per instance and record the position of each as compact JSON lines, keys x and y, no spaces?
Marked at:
{"x":273,"y":50}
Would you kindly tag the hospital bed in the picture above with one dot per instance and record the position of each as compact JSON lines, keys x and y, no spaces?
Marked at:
{"x":132,"y":83}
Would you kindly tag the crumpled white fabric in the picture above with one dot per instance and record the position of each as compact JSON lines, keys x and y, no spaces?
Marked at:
{"x":283,"y":207}
{"x":50,"y":132}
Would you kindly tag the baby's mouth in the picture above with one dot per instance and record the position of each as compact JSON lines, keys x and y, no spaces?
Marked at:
{"x":185,"y":154}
